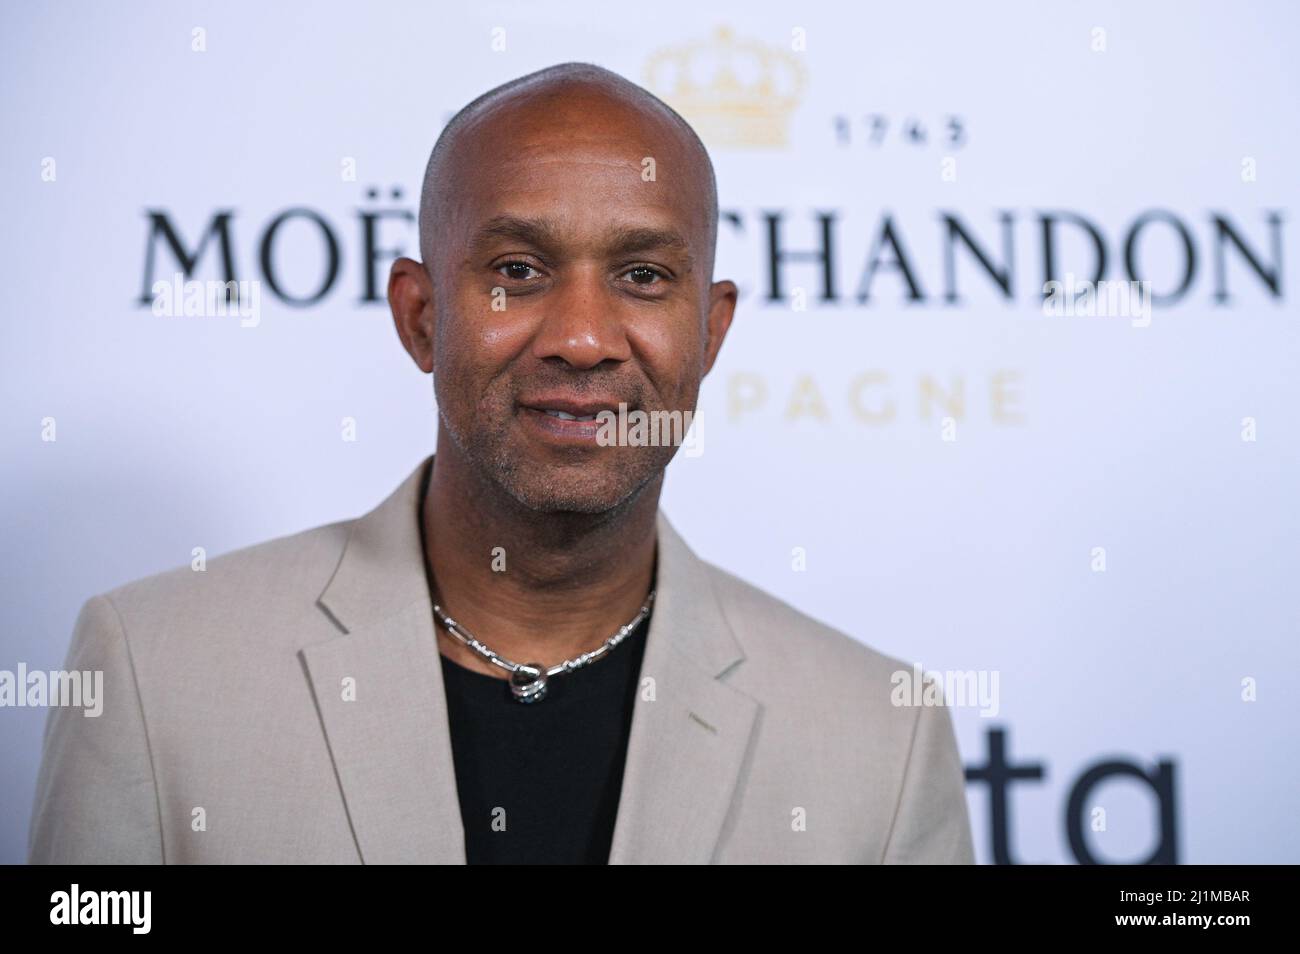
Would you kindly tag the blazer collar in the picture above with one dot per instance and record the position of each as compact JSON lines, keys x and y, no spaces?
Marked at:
{"x":389,"y":735}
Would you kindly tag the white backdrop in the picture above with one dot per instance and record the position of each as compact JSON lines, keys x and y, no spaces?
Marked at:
{"x":965,"y":544}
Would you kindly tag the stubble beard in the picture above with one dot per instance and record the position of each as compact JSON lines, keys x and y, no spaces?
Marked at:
{"x":554,"y":489}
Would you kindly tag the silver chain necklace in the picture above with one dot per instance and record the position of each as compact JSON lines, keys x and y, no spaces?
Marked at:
{"x":528,"y":680}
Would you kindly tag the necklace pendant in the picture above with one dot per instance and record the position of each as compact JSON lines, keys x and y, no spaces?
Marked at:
{"x":528,"y":683}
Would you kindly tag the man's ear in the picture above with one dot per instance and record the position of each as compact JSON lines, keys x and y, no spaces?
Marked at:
{"x":722,"y":306}
{"x":410,"y":297}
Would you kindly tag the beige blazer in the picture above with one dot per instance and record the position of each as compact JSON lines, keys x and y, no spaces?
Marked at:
{"x":225,"y":736}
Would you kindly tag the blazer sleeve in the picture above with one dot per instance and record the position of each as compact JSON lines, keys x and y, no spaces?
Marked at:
{"x":96,"y":800}
{"x":932,"y":822}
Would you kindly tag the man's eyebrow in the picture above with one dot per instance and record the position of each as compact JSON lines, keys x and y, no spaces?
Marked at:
{"x":541,"y":234}
{"x":530,"y":231}
{"x":640,"y":238}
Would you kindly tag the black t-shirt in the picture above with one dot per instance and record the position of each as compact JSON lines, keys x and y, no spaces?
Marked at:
{"x":539,"y":782}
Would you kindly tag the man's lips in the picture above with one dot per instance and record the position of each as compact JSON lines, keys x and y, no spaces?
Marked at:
{"x":568,"y":419}
{"x":570,"y":408}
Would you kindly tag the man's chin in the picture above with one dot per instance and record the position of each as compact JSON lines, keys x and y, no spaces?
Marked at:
{"x":582,"y":489}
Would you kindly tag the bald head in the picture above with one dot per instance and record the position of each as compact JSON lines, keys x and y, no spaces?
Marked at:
{"x":595,"y":94}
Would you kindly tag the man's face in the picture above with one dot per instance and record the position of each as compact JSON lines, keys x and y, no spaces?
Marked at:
{"x":571,"y":277}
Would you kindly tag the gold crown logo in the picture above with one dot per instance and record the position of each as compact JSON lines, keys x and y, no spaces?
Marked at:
{"x":734,"y":92}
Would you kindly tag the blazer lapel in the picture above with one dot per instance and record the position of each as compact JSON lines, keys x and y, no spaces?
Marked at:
{"x":389,"y":736}
{"x":688,"y":740}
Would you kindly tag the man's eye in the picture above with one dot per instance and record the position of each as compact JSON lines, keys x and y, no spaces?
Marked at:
{"x":643,"y":275}
{"x":520,"y":271}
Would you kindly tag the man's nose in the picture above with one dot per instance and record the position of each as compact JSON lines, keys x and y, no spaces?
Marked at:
{"x":581,"y":323}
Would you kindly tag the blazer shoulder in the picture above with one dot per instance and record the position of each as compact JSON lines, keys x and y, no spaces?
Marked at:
{"x":282,"y":571}
{"x":769,"y":627}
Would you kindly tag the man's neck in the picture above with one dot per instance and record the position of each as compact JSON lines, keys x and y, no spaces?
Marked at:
{"x":533,"y":587}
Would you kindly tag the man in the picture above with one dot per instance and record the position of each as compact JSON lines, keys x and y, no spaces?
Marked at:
{"x":416,"y":685}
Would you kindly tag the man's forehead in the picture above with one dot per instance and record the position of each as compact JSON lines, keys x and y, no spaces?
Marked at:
{"x":558,"y":155}
{"x":573,"y":124}
{"x":576,"y":159}
{"x":567,"y":147}
{"x":581,"y":223}
{"x":593,"y":184}
{"x":624,"y":234}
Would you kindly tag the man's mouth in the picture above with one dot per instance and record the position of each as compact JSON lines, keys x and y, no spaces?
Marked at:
{"x":563,"y":416}
{"x":569,"y":419}
{"x":574,"y":408}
